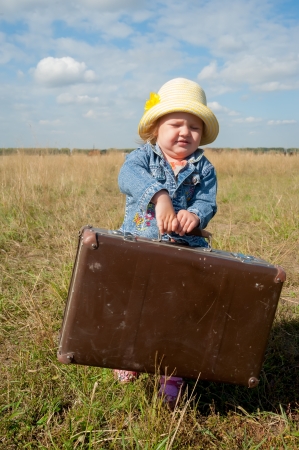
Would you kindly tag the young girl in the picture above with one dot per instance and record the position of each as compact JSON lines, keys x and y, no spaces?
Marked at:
{"x":169,"y":184}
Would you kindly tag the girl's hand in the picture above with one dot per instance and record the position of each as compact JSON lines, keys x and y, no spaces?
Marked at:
{"x":187,"y":222}
{"x":165,"y":215}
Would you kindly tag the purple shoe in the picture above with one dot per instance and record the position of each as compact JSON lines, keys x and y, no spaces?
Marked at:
{"x":171,"y":390}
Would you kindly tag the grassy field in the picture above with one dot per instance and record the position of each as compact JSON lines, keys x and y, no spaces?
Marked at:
{"x":44,"y":200}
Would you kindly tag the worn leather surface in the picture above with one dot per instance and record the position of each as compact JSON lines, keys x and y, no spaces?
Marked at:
{"x":138,"y":304}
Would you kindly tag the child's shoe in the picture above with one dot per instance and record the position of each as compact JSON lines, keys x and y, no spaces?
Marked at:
{"x":171,"y":390}
{"x":125,"y":376}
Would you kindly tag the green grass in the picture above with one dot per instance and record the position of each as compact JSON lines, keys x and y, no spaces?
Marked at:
{"x":44,"y":200}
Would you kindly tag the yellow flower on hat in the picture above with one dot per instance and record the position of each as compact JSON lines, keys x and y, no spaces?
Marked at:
{"x":153,"y":100}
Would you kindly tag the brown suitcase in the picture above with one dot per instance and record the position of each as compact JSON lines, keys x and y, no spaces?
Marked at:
{"x":137,"y":304}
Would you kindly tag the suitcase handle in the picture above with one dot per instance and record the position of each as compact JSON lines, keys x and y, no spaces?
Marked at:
{"x":202,"y":233}
{"x":197,"y":232}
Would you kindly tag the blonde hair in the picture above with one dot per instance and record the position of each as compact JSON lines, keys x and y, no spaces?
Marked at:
{"x":150,"y":134}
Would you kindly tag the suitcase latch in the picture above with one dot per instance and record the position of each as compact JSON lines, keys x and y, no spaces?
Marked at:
{"x":129,"y":237}
{"x":244,"y":258}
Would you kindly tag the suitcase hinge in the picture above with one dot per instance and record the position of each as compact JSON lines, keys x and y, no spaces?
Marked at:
{"x":66,"y":358}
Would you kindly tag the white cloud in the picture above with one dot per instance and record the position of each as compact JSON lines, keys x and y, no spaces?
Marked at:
{"x":277,"y":86}
{"x":62,"y":71}
{"x":91,"y":114}
{"x":281,"y":122}
{"x":261,"y":73}
{"x":118,"y":30}
{"x":248,"y":120}
{"x":231,"y":43}
{"x":109,"y":5}
{"x":133,"y":47}
{"x":67,"y":99}
{"x":39,"y":6}
{"x":50,"y":122}
{"x":8,"y":50}
{"x":21,"y":5}
{"x":106,"y":17}
{"x":209,"y":72}
{"x":217,"y":108}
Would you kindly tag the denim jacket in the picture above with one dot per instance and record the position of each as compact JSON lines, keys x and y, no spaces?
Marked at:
{"x":145,"y":172}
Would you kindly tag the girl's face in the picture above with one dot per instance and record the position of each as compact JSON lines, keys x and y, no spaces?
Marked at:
{"x":179,"y":135}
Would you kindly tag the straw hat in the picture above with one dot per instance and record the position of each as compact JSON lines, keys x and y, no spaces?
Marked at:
{"x":182,"y":95}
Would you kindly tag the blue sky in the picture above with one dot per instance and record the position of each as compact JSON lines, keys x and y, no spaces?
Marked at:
{"x":77,"y":74}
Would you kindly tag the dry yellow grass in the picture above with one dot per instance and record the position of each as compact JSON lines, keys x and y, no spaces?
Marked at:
{"x":44,"y":200}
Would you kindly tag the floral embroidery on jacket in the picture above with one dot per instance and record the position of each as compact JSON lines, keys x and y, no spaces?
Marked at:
{"x":143,"y":221}
{"x":138,"y":220}
{"x":150,"y":214}
{"x":189,"y":192}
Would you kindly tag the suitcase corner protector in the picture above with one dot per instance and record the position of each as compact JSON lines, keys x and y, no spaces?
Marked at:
{"x":82,"y":229}
{"x":89,"y":238}
{"x":281,"y":275}
{"x":253,"y":382}
{"x":65,"y":358}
